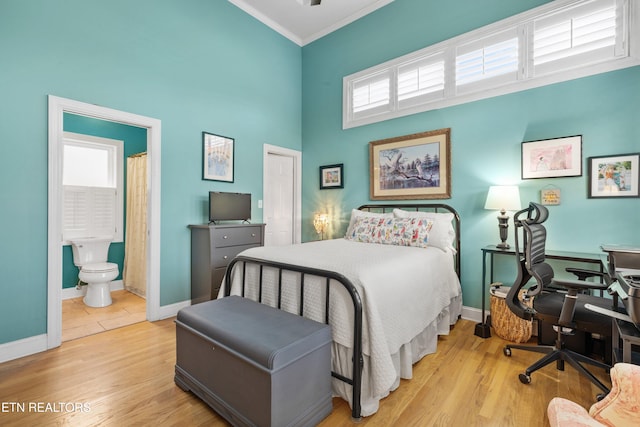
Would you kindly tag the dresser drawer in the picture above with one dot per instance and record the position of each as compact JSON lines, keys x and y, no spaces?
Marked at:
{"x":237,"y":236}
{"x":213,"y":247}
{"x":222,"y":256}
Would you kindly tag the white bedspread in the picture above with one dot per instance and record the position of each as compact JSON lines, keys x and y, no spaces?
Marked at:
{"x":403,"y":290}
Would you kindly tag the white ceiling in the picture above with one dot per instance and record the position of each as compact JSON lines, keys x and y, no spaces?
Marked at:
{"x":304,"y":24}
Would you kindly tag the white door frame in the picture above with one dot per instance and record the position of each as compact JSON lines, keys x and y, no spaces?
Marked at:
{"x":57,"y":107}
{"x":297,"y":185}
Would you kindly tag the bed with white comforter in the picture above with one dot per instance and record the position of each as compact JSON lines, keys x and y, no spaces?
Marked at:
{"x":409,"y":296}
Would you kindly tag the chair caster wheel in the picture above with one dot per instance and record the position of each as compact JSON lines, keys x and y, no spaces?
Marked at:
{"x":506,"y":351}
{"x":525,"y":378}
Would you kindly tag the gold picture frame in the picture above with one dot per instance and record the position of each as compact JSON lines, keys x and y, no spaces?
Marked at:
{"x":416,"y":166}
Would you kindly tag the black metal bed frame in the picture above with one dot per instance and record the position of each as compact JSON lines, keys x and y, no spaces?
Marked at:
{"x":357,"y":359}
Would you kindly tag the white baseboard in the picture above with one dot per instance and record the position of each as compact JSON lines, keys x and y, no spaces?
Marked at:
{"x":472,"y":313}
{"x":69,"y":293}
{"x":167,"y":311}
{"x":24,"y":347}
{"x":36,"y":344}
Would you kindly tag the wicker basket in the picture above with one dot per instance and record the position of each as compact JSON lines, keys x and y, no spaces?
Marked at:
{"x":506,"y":324}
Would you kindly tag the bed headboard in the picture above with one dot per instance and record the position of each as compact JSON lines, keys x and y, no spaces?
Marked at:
{"x":423,"y":207}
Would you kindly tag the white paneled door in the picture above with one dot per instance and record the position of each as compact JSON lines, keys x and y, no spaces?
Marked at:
{"x":282,"y":195}
{"x":279,"y":200}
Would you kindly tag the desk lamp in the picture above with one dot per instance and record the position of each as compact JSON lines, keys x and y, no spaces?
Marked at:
{"x":503,"y":198}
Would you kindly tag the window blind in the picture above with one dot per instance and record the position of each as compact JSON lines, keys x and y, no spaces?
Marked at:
{"x":559,"y":41}
{"x":577,"y":36}
{"x":488,"y":58}
{"x":371,"y":92}
{"x":88,"y":211}
{"x":421,"y":80}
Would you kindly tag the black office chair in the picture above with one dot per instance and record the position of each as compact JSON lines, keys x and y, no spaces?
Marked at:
{"x":558,"y":302}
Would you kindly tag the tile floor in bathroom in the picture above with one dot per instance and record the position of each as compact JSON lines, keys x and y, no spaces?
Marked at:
{"x":80,"y":320}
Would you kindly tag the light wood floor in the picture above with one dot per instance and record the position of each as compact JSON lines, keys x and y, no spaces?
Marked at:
{"x":124,"y":377}
{"x":80,"y":320}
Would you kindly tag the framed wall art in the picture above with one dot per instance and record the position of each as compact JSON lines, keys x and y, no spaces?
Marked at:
{"x":614,"y":176}
{"x":331,"y":176}
{"x":416,"y":166}
{"x":217,"y":157}
{"x":552,"y":158}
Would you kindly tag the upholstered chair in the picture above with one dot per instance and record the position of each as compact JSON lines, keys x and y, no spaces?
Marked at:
{"x":620,"y":408}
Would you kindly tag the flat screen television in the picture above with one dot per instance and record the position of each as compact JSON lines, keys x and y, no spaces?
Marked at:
{"x":229,"y":206}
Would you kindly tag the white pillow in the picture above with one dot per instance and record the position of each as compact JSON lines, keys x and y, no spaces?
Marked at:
{"x":442,"y":234}
{"x":356,"y":213}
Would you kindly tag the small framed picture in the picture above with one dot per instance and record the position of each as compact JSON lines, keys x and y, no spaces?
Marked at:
{"x":614,"y":176}
{"x":552,"y":158}
{"x":217,"y":157}
{"x":331,"y":176}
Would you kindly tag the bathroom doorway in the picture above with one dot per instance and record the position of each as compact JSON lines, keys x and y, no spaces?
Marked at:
{"x":58,"y":107}
{"x":104,"y":170}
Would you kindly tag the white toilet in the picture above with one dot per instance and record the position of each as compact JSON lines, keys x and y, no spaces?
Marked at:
{"x":90,"y":255}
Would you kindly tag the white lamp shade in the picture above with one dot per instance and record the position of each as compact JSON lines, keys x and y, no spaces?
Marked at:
{"x":503,"y":197}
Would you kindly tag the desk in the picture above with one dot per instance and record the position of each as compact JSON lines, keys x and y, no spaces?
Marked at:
{"x":625,"y":333}
{"x":630,"y":336}
{"x":483,"y":329}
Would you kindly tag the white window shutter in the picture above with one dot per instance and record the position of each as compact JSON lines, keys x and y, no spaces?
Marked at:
{"x":104,"y":211}
{"x":371,"y":95}
{"x":576,"y":36}
{"x":492,"y":60}
{"x":75,"y":215}
{"x":421,"y":80}
{"x":88,"y":212}
{"x":559,"y":41}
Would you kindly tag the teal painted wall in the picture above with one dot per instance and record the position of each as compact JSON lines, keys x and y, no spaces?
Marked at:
{"x":203,"y":65}
{"x":196,"y":65}
{"x":486,"y":135}
{"x":134,"y":141}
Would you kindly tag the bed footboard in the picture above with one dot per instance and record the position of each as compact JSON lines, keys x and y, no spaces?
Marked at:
{"x":358,"y":361}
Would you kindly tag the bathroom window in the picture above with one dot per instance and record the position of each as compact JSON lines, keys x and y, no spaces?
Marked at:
{"x":92,"y":181}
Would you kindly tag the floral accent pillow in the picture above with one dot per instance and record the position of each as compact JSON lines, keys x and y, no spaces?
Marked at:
{"x":392,"y":231}
{"x":355,"y":214}
{"x":442,"y":234}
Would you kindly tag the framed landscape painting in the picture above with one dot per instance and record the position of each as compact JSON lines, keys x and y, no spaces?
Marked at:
{"x":416,"y":166}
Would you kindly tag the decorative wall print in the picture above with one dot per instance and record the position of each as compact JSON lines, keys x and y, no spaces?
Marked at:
{"x":414,"y":166}
{"x":614,"y":176}
{"x":331,"y":176}
{"x":550,"y":196}
{"x":552,"y":158}
{"x":218,"y":158}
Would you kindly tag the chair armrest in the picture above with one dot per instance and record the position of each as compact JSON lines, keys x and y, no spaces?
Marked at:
{"x":580,"y":285}
{"x":569,"y":304}
{"x":584,"y":274}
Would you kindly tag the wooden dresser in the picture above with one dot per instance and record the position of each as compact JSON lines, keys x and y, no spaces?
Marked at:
{"x":212,"y":247}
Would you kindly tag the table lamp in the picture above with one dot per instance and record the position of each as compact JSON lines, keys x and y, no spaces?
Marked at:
{"x":503,"y":198}
{"x":320,"y":222}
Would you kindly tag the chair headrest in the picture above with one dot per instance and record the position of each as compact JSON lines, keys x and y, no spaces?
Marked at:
{"x":536,"y":214}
